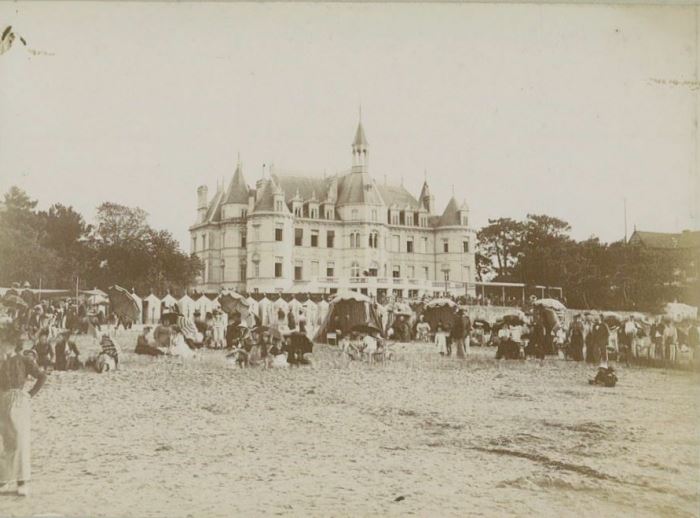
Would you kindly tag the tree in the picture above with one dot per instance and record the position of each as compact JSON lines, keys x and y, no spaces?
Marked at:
{"x":117,"y":224}
{"x":500,"y":242}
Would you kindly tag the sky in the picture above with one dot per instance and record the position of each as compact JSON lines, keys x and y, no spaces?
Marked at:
{"x":549,"y":109}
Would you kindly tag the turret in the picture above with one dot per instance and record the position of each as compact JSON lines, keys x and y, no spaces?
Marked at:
{"x":202,"y":193}
{"x":427,"y":200}
{"x":360,"y":151}
{"x":464,"y":214}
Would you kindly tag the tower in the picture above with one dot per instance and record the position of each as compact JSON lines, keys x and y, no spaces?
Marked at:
{"x":360,"y":150}
{"x":426,"y":199}
{"x":202,"y":193}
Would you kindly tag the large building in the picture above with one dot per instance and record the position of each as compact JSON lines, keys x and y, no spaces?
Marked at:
{"x":312,"y":234}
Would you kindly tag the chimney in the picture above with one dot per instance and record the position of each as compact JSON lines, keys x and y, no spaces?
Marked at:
{"x":202,"y":193}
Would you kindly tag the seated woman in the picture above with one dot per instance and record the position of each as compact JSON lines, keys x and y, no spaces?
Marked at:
{"x":178,"y":347}
{"x":108,"y":358}
{"x":67,"y":354}
{"x":278,"y":355}
{"x":144,"y":347}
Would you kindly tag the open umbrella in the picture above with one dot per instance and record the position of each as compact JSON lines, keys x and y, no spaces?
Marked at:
{"x":514,"y":319}
{"x":612,"y":319}
{"x":14,"y":301}
{"x":232,"y":302}
{"x":550,"y":303}
{"x":123,"y":304}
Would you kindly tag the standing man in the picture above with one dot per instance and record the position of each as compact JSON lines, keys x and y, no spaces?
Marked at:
{"x":16,"y":414}
{"x":467,"y":323}
{"x":601,"y":338}
{"x":457,"y":333}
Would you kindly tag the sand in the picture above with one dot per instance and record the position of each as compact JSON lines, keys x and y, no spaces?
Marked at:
{"x":423,"y":435}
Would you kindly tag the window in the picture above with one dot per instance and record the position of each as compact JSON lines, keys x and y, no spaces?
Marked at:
{"x":465,"y":220}
{"x":314,"y":269}
{"x":298,"y":236}
{"x":278,"y":233}
{"x":314,"y":212}
{"x":330,"y":269}
{"x":256,"y":269}
{"x":396,"y":243}
{"x":445,"y":245}
{"x":409,"y":245}
{"x":373,"y":270}
{"x":425,"y":245}
{"x":279,"y":204}
{"x":409,"y":219}
{"x":355,"y":269}
{"x":465,"y":245}
{"x":330,"y":238}
{"x":354,"y":240}
{"x":242,"y":239}
{"x":329,"y":213}
{"x":297,"y":211}
{"x":298,"y":271}
{"x":242,"y":271}
{"x":411,"y":272}
{"x":426,"y":273}
{"x":314,"y":238}
{"x":278,"y":267}
{"x":394,"y":218}
{"x":446,"y":273}
{"x":396,"y":271}
{"x":374,"y":239}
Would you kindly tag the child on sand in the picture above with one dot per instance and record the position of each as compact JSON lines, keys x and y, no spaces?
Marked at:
{"x":441,"y":340}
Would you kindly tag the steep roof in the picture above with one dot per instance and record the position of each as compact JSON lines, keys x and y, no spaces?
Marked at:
{"x":666,"y":240}
{"x":360,"y":139}
{"x":214,"y":209}
{"x":397,"y":194}
{"x":306,"y":185}
{"x":267,"y":197}
{"x":451,"y":214}
{"x":425,"y":191}
{"x":353,"y":189}
{"x":237,"y":190}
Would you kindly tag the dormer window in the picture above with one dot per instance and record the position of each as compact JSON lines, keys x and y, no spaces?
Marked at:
{"x":409,"y":219}
{"x":297,"y":212}
{"x":465,"y":221}
{"x":279,"y":205}
{"x":329,"y":213}
{"x":313,"y":213}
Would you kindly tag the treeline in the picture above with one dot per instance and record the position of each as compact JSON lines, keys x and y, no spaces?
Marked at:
{"x":57,"y":246}
{"x":593,"y":274}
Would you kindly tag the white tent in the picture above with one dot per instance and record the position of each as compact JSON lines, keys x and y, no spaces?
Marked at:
{"x":205,"y":305}
{"x":139,"y":302}
{"x":187,"y":306}
{"x":311,"y":312}
{"x":265,"y":309}
{"x":169,"y":301}
{"x":296,"y":307}
{"x":280,"y":304}
{"x":678,"y":311}
{"x":152,"y":304}
{"x":322,"y":310}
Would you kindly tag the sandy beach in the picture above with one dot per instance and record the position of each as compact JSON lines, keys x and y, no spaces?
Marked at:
{"x":422,"y":435}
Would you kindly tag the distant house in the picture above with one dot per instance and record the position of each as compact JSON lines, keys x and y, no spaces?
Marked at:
{"x":683,"y":245}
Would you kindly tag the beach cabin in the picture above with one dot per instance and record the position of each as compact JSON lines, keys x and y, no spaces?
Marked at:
{"x":187,"y":306}
{"x":151,"y":309}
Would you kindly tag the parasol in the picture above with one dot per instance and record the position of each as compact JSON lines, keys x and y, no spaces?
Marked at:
{"x":123,"y":304}
{"x":436,"y":303}
{"x":550,"y":303}
{"x":232,"y":302}
{"x":14,"y":301}
{"x":480,"y":322}
{"x":514,"y":319}
{"x":612,"y":319}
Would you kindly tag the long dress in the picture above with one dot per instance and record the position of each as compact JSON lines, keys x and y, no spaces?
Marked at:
{"x":441,"y":342}
{"x":15,"y":417}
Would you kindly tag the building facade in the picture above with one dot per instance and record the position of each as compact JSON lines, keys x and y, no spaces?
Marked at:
{"x":311,"y":234}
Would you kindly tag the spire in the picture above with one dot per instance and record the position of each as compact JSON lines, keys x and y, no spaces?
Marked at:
{"x":360,"y":149}
{"x":360,"y":138}
{"x":237,"y":190}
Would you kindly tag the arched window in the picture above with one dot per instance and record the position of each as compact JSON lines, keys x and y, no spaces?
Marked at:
{"x":374,"y":239}
{"x":355,"y":269}
{"x":352,"y":240}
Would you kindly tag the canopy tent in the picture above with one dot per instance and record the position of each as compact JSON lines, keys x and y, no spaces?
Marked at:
{"x":347,"y":310}
{"x":123,"y":304}
{"x":439,"y":311}
{"x":187,"y":306}
{"x":395,"y":310}
{"x":678,"y":311}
